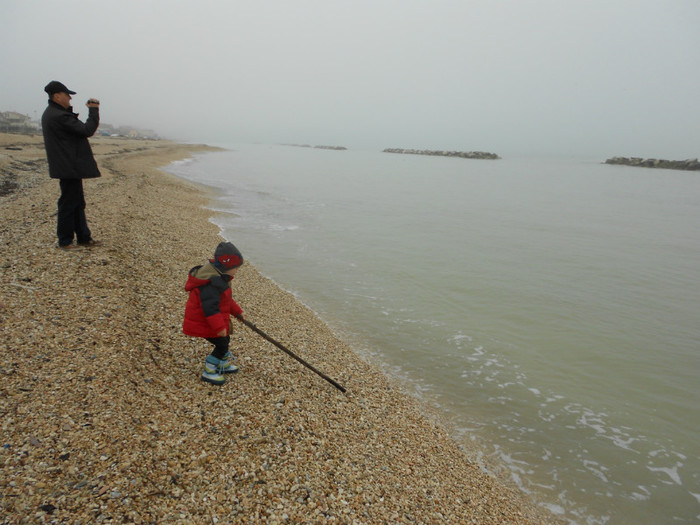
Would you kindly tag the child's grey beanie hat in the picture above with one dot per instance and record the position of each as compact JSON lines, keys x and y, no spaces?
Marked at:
{"x":227,"y":256}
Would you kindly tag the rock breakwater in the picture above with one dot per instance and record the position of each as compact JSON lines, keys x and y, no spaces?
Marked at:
{"x":337,"y":148}
{"x":687,"y":165}
{"x":440,"y":153}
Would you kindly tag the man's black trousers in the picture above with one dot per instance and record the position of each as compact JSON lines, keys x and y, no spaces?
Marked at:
{"x":71,"y":213}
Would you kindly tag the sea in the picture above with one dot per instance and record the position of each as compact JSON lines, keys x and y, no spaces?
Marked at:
{"x":547,"y":308}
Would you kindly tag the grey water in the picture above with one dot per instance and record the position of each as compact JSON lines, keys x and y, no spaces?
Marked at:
{"x":548,"y":308}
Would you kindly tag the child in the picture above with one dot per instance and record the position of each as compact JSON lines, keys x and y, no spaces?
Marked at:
{"x":209,"y":309}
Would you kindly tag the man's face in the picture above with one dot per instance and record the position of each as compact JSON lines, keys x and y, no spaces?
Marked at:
{"x":62,"y":99}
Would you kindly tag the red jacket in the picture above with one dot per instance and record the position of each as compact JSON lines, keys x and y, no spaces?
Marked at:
{"x":210,"y":304}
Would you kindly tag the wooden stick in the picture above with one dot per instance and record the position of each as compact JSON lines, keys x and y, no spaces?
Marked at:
{"x":289,"y":352}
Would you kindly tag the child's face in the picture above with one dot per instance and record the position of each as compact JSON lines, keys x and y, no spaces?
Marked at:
{"x":231,"y":272}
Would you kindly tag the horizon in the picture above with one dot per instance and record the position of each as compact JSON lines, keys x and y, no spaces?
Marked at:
{"x":380,"y":149}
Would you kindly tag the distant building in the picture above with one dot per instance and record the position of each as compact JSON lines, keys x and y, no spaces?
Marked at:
{"x":13,"y":122}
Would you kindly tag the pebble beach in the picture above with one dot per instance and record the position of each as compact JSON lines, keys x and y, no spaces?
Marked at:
{"x":104,"y":418}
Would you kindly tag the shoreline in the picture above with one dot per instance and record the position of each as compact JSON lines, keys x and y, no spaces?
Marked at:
{"x":104,"y":415}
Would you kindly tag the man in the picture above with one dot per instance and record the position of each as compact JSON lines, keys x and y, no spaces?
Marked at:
{"x":70,"y":160}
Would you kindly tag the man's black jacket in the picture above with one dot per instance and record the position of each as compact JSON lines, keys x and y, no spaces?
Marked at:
{"x":66,"y":141}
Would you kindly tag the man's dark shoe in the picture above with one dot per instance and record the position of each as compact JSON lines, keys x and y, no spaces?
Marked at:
{"x":91,"y":242}
{"x":67,"y":247}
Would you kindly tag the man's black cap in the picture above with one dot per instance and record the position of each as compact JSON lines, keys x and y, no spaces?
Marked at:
{"x":57,"y":87}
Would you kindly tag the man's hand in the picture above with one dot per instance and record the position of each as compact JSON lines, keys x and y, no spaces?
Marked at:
{"x":93,"y":103}
{"x":222,"y":334}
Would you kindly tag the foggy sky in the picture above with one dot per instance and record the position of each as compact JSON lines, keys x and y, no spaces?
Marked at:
{"x":593,"y":77}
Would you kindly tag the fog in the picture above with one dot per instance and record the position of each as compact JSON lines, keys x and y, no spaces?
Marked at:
{"x":594,"y":78}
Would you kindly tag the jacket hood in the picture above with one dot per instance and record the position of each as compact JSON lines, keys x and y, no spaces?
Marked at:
{"x":206,"y":271}
{"x":201,"y":275}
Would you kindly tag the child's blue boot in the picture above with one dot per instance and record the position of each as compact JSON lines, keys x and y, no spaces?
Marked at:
{"x":213,"y":371}
{"x":228,"y":364}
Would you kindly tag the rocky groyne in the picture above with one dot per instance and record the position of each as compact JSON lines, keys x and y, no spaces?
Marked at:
{"x":687,"y":165}
{"x":337,"y":148}
{"x":440,"y":153}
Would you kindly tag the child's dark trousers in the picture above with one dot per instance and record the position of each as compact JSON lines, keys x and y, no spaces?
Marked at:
{"x":220,"y":346}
